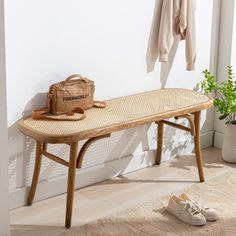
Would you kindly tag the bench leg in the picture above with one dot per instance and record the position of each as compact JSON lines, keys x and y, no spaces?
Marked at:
{"x":160,"y":131}
{"x":71,"y":183}
{"x":198,"y":146}
{"x":37,"y":166}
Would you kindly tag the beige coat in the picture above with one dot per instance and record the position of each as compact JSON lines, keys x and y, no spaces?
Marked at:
{"x":175,"y":17}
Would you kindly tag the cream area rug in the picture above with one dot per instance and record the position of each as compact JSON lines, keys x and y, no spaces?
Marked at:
{"x":153,"y":219}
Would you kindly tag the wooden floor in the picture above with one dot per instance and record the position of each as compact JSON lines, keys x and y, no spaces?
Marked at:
{"x":118,"y":194}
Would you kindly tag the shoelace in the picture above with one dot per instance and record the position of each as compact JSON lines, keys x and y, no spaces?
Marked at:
{"x":199,"y":206}
{"x":191,"y":207}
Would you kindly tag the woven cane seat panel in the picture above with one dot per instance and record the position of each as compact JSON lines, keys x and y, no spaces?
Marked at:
{"x":123,"y":109}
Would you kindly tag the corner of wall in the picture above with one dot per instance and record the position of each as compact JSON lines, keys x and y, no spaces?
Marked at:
{"x":4,"y":206}
{"x":224,"y":20}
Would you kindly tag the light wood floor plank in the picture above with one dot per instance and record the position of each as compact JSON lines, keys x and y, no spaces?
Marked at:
{"x":117,"y":194}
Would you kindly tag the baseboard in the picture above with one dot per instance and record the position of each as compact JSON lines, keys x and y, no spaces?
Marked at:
{"x":85,"y":177}
{"x":207,"y":139}
{"x":218,"y":139}
{"x":5,"y":231}
{"x":94,"y":174}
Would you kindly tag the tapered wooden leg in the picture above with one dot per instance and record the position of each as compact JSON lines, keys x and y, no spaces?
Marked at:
{"x":160,"y":131}
{"x":71,"y":183}
{"x":37,"y":166}
{"x":198,"y":146}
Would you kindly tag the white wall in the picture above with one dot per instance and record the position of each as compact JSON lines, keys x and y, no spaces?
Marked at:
{"x":226,"y":56}
{"x":4,"y":195}
{"x":233,"y":55}
{"x":106,"y":41}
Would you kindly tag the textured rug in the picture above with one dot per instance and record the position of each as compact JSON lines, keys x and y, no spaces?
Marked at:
{"x":153,"y":219}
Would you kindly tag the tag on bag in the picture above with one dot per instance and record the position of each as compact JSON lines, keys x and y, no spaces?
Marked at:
{"x":69,"y":98}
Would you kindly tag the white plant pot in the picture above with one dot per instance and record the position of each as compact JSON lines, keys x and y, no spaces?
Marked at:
{"x":229,"y":144}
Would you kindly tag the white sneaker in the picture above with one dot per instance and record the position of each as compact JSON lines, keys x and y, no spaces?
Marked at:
{"x":185,"y":211}
{"x":209,"y":213}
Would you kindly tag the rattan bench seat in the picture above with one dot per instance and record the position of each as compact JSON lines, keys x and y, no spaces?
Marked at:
{"x":121,"y":113}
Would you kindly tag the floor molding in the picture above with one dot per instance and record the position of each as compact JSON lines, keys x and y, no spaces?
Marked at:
{"x":218,"y":139}
{"x":91,"y":175}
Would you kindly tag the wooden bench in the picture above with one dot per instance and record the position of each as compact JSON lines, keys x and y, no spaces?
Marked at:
{"x":120,"y":114}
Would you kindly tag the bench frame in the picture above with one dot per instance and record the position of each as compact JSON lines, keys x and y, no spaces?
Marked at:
{"x":76,"y":159}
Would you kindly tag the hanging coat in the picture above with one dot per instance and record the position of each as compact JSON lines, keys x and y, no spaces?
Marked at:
{"x":177,"y":17}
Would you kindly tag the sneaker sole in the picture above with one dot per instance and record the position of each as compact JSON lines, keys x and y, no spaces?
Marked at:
{"x":183,"y":220}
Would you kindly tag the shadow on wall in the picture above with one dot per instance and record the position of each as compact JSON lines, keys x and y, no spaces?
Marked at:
{"x":122,"y":144}
{"x":22,"y":153}
{"x":152,"y":49}
{"x":166,"y":67}
{"x":21,"y":146}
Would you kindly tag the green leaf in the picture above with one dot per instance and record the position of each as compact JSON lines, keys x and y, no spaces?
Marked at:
{"x":224,"y":94}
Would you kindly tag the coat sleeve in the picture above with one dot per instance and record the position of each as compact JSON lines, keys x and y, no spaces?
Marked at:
{"x":166,"y":37}
{"x":152,"y":49}
{"x":190,"y":44}
{"x":183,"y":19}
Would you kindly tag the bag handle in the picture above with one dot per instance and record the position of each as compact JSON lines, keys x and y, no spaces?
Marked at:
{"x":39,"y":114}
{"x":77,"y":76}
{"x":99,"y":104}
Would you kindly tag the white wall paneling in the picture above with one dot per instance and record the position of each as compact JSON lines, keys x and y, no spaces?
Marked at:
{"x":106,"y":41}
{"x":4,"y":194}
{"x":225,"y":56}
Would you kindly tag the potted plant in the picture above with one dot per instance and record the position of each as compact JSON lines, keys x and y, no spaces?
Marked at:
{"x":224,"y":95}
